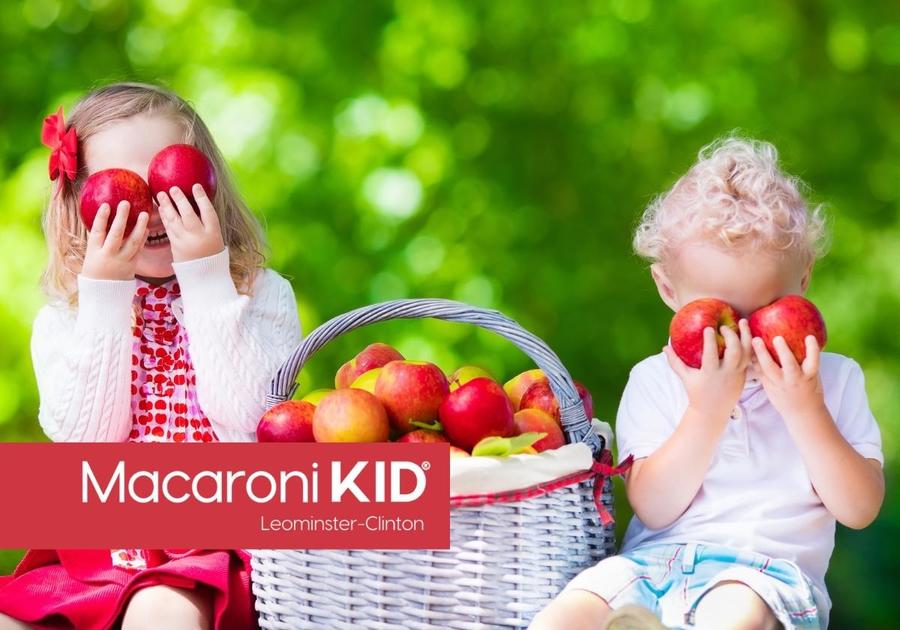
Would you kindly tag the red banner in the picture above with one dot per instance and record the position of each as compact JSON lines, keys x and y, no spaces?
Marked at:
{"x":267,"y":496}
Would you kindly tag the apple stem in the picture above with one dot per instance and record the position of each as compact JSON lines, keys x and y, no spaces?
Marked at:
{"x":434,"y":426}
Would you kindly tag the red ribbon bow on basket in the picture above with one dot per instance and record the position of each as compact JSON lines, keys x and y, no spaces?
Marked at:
{"x":599,"y":471}
{"x":64,"y":148}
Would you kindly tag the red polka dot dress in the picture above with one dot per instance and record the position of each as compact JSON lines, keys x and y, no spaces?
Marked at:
{"x":164,"y":403}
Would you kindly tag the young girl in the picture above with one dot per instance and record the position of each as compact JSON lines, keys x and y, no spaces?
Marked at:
{"x":741,"y":467}
{"x":169,"y":334}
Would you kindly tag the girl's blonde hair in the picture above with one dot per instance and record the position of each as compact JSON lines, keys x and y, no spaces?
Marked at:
{"x":736,"y":194}
{"x":66,"y":233}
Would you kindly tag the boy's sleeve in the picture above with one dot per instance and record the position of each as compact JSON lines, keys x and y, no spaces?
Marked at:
{"x":237,"y":342}
{"x":854,"y":418}
{"x":646,"y":416}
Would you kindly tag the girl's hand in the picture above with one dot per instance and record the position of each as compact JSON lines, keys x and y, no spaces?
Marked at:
{"x":714,"y":389}
{"x":191,"y":236}
{"x":794,"y":389}
{"x":109,"y":256}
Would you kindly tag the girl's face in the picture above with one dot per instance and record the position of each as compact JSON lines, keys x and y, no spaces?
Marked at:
{"x":131,"y":143}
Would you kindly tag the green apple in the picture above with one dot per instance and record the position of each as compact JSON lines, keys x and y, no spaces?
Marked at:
{"x":465,"y":374}
{"x":518,"y":385}
{"x":316,"y":395}
{"x":367,"y":380}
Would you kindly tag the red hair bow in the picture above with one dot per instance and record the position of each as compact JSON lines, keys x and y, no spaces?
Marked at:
{"x":64,"y":148}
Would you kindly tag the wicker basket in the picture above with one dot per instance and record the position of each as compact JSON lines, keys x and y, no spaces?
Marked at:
{"x":509,"y":554}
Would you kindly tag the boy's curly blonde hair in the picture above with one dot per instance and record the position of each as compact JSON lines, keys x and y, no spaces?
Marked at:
{"x":737,"y":194}
{"x":64,"y":230}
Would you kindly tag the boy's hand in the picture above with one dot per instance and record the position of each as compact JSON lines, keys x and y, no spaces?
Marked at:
{"x":794,"y":389}
{"x":110,"y":256}
{"x":714,"y":389}
{"x":191,"y":236}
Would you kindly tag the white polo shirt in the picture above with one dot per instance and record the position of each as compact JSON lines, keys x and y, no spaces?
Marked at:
{"x":757,"y":494}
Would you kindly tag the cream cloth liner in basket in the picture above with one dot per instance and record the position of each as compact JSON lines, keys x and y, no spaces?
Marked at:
{"x":480,"y":475}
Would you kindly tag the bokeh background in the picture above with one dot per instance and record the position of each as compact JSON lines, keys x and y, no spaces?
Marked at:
{"x":497,"y":153}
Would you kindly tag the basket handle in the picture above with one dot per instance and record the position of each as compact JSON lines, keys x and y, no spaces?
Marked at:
{"x":575,"y":422}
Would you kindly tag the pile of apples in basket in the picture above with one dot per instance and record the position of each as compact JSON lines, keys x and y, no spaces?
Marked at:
{"x":379,"y":396}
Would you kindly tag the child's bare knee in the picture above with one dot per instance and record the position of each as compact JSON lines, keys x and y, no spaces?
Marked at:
{"x":734,"y":606}
{"x":8,"y":623}
{"x":572,"y":610}
{"x":167,"y":607}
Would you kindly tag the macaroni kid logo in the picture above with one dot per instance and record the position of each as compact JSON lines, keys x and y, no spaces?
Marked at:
{"x":227,"y":495}
{"x":218,"y":486}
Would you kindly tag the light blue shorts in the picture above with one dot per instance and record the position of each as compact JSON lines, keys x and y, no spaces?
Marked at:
{"x":670,"y":580}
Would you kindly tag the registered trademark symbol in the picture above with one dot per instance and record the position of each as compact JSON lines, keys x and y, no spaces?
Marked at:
{"x":426,"y":465}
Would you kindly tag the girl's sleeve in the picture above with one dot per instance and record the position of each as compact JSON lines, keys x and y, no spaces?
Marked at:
{"x":236,"y":342}
{"x":82,"y":363}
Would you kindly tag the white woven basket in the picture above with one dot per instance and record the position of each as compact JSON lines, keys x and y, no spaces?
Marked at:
{"x":507,"y":559}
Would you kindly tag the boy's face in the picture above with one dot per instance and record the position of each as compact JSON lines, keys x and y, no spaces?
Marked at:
{"x":746,"y":278}
{"x":132,"y":143}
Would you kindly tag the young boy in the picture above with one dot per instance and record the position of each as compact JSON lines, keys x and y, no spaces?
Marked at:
{"x":741,"y":467}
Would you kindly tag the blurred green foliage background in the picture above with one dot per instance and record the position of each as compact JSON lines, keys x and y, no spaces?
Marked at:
{"x":497,"y":153}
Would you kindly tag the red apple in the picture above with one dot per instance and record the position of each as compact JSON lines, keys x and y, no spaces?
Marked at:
{"x":111,"y":186}
{"x":373,"y":356}
{"x":477,"y":410}
{"x":455,"y":451}
{"x":420,"y":436}
{"x":518,"y":385}
{"x":466,"y":373}
{"x":688,"y":324}
{"x":535,"y":420}
{"x":540,"y":396}
{"x":182,"y":165}
{"x":350,"y":415}
{"x":411,"y":391}
{"x":288,"y":421}
{"x":792,"y":317}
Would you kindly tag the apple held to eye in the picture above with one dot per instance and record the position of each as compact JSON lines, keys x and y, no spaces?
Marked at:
{"x":182,"y":165}
{"x":688,"y":324}
{"x":792,"y":317}
{"x":111,"y":186}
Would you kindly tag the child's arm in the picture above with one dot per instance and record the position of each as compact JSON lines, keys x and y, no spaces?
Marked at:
{"x":850,"y":485}
{"x":661,"y":486}
{"x":82,"y":362}
{"x":237,"y":342}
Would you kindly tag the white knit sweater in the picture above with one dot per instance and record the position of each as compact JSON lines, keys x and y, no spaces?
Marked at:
{"x":82,"y":357}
